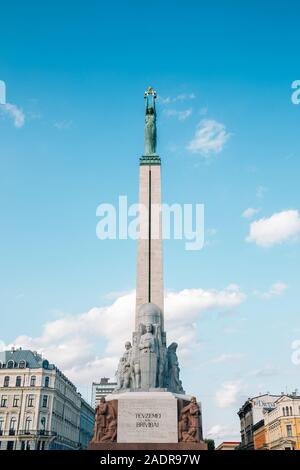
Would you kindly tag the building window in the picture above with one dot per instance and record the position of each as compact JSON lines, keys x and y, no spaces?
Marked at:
{"x":45,"y":401}
{"x":12,"y":426}
{"x":287,"y":411}
{"x":10,"y":445}
{"x":30,"y":400}
{"x":46,"y":381}
{"x":23,"y":445}
{"x":22,"y":364}
{"x":28,"y":425}
{"x":291,"y":411}
{"x":10,"y":364}
{"x":3,"y":401}
{"x":16,"y":401}
{"x":283,"y":411}
{"x":43,"y":425}
{"x":32,"y":381}
{"x":289,"y":431}
{"x":6,"y":381}
{"x":1,"y":427}
{"x":18,"y":381}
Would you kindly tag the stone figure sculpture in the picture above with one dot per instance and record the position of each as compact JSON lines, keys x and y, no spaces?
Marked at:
{"x":148,"y":347}
{"x":124,"y":372}
{"x":149,"y":363}
{"x":100,"y":421}
{"x":110,"y":433}
{"x":150,"y":123}
{"x":174,"y":383}
{"x":189,"y":423}
{"x":148,"y":340}
{"x":105,"y":422}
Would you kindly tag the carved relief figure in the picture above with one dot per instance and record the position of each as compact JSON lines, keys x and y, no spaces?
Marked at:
{"x":149,"y":352}
{"x":110,"y":433}
{"x":105,"y":422}
{"x":148,"y":340}
{"x":100,"y":421}
{"x":189,"y":420}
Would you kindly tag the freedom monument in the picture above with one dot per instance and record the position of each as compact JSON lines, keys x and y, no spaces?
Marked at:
{"x":149,"y":409}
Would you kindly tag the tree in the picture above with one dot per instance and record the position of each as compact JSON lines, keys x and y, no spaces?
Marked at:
{"x":210,"y":444}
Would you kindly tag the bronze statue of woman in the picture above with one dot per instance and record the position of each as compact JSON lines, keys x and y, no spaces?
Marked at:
{"x":150,"y":122}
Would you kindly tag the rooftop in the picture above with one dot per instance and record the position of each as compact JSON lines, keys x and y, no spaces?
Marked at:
{"x":23,"y":358}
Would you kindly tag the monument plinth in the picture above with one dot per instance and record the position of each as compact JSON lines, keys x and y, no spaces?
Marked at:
{"x":149,"y":408}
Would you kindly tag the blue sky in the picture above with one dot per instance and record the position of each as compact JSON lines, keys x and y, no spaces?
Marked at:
{"x":76,"y":78}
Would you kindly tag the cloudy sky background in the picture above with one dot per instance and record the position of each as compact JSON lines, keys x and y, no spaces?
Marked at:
{"x":71,"y":134}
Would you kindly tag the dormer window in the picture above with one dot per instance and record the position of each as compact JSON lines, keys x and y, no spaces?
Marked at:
{"x":10,"y":364}
{"x":22,"y":364}
{"x":46,"y":364}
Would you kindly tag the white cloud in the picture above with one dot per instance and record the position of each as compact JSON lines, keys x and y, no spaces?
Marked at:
{"x":279,"y":228}
{"x":228,"y":393}
{"x":210,"y":137}
{"x":65,"y":124}
{"x":260,"y":191}
{"x":250,"y":212}
{"x":15,"y":113}
{"x":219,"y":432}
{"x":89,"y":344}
{"x":180,"y":115}
{"x":181,"y":97}
{"x":225,"y":358}
{"x":276,"y":289}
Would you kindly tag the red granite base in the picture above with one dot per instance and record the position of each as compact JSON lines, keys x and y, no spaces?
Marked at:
{"x":194,"y":446}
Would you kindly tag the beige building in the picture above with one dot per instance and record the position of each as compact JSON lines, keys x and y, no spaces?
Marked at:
{"x":282,"y":424}
{"x":39,"y":407}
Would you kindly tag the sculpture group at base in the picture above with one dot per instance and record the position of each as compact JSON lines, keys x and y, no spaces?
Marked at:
{"x":149,"y":363}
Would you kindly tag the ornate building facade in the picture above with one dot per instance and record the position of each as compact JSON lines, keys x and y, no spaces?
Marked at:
{"x":39,"y":407}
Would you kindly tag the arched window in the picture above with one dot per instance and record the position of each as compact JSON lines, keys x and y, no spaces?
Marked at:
{"x":45,"y":364}
{"x":283,"y":411}
{"x":12,"y":426}
{"x":287,"y":411}
{"x":28,"y":425}
{"x":291,"y":411}
{"x":22,"y":364}
{"x":10,"y":364}
{"x":32,"y":381}
{"x":18,"y":381}
{"x":47,"y":381}
{"x":6,"y":381}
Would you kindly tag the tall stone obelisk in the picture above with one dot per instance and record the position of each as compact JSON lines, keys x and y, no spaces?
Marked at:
{"x":149,"y":408}
{"x":149,"y":281}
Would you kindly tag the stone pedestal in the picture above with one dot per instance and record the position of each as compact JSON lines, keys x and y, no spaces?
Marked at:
{"x":147,"y":417}
{"x":147,"y":421}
